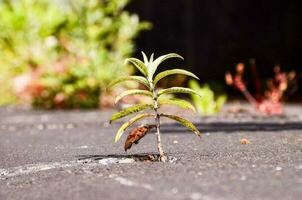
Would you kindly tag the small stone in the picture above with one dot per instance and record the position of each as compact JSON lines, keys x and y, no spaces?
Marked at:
{"x":69,"y":126}
{"x":195,"y":196}
{"x":207,"y":134}
{"x":61,"y":126}
{"x":243,"y":178}
{"x":106,"y":125}
{"x":174,"y":190}
{"x":52,"y":126}
{"x":40,"y":127}
{"x":107,"y":161}
{"x":278,"y":168}
{"x":175,"y":142}
{"x":126,"y":160}
{"x":244,"y":141}
{"x":172,"y":159}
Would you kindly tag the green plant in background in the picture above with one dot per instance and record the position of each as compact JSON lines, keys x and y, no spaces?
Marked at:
{"x":74,"y":88}
{"x":148,"y":69}
{"x":207,"y":105}
{"x":83,"y":40}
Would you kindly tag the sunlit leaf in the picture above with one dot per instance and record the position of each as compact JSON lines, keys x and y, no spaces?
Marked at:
{"x":132,"y":92}
{"x":145,"y":58}
{"x":151,"y":57}
{"x":130,"y":110}
{"x":153,"y":65}
{"x":136,"y":134}
{"x":139,"y":65}
{"x":178,"y":102}
{"x":139,"y":79}
{"x":163,"y":74}
{"x":129,"y":123}
{"x":178,"y":90}
{"x":183,"y":122}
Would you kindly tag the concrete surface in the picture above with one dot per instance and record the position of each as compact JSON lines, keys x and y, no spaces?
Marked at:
{"x":58,"y":155}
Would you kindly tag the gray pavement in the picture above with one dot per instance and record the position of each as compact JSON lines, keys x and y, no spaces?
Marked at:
{"x":59,"y":155}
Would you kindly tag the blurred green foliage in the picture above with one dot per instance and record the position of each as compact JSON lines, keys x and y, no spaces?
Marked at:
{"x":207,"y":105}
{"x":65,"y":47}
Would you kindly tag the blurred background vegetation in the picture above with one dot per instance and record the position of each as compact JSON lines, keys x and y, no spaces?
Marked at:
{"x":63,"y":53}
{"x":214,"y":36}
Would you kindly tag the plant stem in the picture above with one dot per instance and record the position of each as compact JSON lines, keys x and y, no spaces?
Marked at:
{"x":162,"y":156}
{"x":249,"y":97}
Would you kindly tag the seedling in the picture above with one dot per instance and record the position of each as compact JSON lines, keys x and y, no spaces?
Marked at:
{"x":148,"y":68}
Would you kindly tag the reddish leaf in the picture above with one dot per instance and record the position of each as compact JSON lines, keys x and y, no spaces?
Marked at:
{"x":136,"y":134}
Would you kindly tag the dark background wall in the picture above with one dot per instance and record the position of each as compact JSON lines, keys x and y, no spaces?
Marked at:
{"x":215,"y":35}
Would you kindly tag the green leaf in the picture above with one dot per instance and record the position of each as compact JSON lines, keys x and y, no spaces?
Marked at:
{"x":154,"y":65}
{"x":178,"y":102}
{"x":163,"y":74}
{"x":139,"y":79}
{"x":130,"y":110}
{"x":129,"y":123}
{"x":193,"y":84}
{"x":139,"y":65}
{"x":184,"y":122}
{"x":145,"y":58}
{"x":220,"y":102}
{"x":178,"y":90}
{"x":206,"y":105}
{"x":151,"y":57}
{"x":132,"y":92}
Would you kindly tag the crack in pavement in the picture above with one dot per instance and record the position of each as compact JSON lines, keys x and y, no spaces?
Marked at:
{"x":34,"y":168}
{"x":171,"y":193}
{"x":127,"y":182}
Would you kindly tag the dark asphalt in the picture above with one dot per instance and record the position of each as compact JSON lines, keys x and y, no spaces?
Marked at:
{"x":56,"y":155}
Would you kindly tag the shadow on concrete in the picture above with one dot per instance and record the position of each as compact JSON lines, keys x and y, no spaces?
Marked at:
{"x":233,"y":127}
{"x":137,"y":157}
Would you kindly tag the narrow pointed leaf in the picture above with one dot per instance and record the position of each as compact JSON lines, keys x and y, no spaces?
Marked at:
{"x":183,"y":122}
{"x":132,"y":92}
{"x":145,"y":58}
{"x":139,"y":79}
{"x":154,"y":65}
{"x":138,"y":64}
{"x":129,"y":123}
{"x":178,"y":90}
{"x":151,"y":57}
{"x":130,"y":110}
{"x":163,"y":74}
{"x":178,"y":102}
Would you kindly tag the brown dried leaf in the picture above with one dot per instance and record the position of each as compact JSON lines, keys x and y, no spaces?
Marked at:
{"x":136,"y":134}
